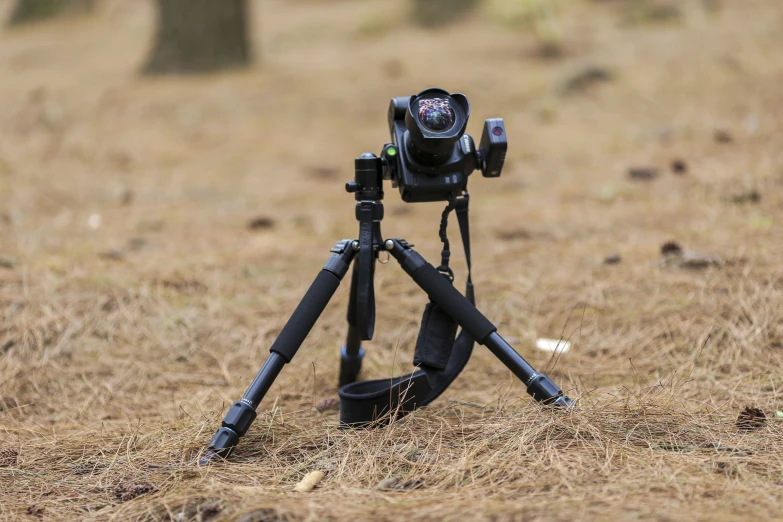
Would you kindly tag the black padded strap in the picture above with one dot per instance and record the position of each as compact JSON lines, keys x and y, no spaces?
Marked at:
{"x":375,"y":402}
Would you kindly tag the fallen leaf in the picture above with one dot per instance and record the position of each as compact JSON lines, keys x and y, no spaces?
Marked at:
{"x":137,"y":243}
{"x":389,"y":483}
{"x":761,"y":222}
{"x":722,"y":136}
{"x":35,"y":511}
{"x":94,"y":221}
{"x":671,"y":248}
{"x":8,"y":457}
{"x":128,"y":491}
{"x":310,"y":481}
{"x":752,"y":196}
{"x":260,"y":223}
{"x":330,"y":403}
{"x":751,"y":419}
{"x":696,"y":260}
{"x":7,"y":262}
{"x":512,"y":234}
{"x":679,"y":166}
{"x":113,"y":254}
{"x":553,"y":345}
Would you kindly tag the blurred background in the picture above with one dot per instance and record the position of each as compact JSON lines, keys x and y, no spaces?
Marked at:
{"x":188,"y":157}
{"x":172,"y":178}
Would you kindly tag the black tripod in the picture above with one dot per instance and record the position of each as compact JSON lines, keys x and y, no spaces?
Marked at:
{"x":439,"y":357}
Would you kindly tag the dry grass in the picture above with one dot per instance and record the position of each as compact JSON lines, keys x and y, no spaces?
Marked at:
{"x":121,"y":346}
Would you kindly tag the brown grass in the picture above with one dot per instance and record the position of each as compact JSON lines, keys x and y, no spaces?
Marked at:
{"x":122,"y":346}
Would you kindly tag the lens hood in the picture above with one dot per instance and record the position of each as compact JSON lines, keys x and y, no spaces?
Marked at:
{"x":430,"y":146}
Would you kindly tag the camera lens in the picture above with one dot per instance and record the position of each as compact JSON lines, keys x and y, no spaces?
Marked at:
{"x":434,"y":120}
{"x":436,"y":114}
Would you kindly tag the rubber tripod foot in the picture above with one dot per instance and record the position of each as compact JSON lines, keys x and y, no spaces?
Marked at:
{"x":564,"y":402}
{"x":220,"y":446}
{"x":208,"y":457}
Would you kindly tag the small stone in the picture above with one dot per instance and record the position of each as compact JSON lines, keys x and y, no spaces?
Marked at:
{"x":679,"y":166}
{"x":671,"y":248}
{"x":127,"y":197}
{"x":513,"y":234}
{"x":330,"y":403}
{"x":137,"y":243}
{"x":585,"y":78}
{"x":643,"y":173}
{"x":752,"y":196}
{"x":550,"y":50}
{"x":7,"y":262}
{"x":94,"y":221}
{"x":612,"y":259}
{"x":35,"y":511}
{"x":722,"y":136}
{"x":696,"y":260}
{"x":113,"y":254}
{"x":558,"y":346}
{"x":389,"y":483}
{"x":260,"y":223}
{"x":751,"y":124}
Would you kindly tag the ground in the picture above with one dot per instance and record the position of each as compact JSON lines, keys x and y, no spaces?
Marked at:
{"x":137,"y":303}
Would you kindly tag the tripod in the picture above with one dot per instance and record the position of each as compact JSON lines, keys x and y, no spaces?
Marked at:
{"x":368,"y":402}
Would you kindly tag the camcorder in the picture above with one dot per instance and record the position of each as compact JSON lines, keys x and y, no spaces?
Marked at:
{"x":431,"y":157}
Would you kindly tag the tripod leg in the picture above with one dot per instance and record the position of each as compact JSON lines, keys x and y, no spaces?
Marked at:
{"x":351,"y":357}
{"x":442,"y":292}
{"x":243,"y":412}
{"x":352,"y":352}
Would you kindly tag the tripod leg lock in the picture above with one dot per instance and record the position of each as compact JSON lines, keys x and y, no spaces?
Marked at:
{"x":544,"y":390}
{"x":239,"y":417}
{"x":235,"y":424}
{"x":338,"y":263}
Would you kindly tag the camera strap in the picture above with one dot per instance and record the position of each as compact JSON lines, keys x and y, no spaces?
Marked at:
{"x":439,"y":356}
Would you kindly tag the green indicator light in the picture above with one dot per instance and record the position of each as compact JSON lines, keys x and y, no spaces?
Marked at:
{"x":391,"y":151}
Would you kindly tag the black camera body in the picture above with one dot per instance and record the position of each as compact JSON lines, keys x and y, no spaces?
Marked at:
{"x":431,"y":157}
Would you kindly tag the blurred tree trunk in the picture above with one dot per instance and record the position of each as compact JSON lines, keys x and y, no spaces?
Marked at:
{"x":26,"y":11}
{"x":432,"y":13}
{"x":195,"y":36}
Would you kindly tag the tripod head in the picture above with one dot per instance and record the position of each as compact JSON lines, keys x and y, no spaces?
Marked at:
{"x":367,"y":184}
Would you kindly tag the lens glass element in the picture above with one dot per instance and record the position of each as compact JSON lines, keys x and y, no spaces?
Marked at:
{"x":436,"y":114}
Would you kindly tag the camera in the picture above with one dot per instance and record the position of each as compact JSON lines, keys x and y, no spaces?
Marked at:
{"x":431,"y":157}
